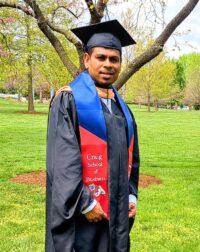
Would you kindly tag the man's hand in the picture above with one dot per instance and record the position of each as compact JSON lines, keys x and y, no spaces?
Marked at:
{"x":132,"y":210}
{"x":96,"y":214}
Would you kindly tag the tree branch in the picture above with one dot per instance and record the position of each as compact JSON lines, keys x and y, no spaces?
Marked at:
{"x":18,"y":7}
{"x":43,"y":25}
{"x":69,"y":36}
{"x":93,"y":11}
{"x":96,"y":12}
{"x":176,"y":21}
{"x":63,"y":7}
{"x":101,"y":5}
{"x":157,"y":47}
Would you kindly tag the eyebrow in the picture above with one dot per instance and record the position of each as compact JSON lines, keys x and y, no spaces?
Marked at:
{"x":111,"y":56}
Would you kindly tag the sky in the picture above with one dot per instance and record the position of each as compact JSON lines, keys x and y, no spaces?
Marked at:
{"x":188,"y":39}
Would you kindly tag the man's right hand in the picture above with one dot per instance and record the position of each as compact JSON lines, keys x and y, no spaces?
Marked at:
{"x":96,"y":214}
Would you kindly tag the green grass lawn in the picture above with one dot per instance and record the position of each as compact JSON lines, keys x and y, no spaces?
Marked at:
{"x":168,"y":216}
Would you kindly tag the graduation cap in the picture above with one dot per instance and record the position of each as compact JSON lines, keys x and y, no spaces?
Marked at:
{"x":109,"y":34}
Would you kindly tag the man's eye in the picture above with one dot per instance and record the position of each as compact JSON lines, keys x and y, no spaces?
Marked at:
{"x":114,"y":60}
{"x":101,"y":58}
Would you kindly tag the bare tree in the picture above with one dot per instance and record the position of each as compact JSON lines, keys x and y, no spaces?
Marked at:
{"x":97,"y":11}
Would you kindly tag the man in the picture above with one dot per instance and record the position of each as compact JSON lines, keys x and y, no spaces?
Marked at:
{"x":92,"y":152}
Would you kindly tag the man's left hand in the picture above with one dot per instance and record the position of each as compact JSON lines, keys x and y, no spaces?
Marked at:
{"x":132,"y":210}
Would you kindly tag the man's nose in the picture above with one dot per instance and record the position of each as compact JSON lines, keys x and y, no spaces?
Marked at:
{"x":107,"y":63}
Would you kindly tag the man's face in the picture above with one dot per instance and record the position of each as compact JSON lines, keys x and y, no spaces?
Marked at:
{"x":103,"y":64}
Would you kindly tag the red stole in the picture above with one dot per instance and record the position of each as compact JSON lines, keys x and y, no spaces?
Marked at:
{"x":93,"y":137}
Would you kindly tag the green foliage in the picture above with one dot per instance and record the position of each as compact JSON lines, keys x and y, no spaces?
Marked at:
{"x":192,"y":91}
{"x":50,"y":66}
{"x":153,"y":83}
{"x":189,"y":63}
{"x":168,"y":214}
{"x":180,"y":78}
{"x":187,"y":75}
{"x":48,"y":70}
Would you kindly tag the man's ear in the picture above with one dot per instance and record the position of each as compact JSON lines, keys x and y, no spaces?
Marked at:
{"x":86,"y":58}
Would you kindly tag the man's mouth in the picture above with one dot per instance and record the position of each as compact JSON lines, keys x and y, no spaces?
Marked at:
{"x":106,"y":74}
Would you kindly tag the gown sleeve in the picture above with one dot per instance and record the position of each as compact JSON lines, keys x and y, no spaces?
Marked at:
{"x":134,"y":177}
{"x":67,"y":196}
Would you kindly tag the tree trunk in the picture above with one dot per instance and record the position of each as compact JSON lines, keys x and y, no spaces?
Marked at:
{"x":157,"y":47}
{"x":30,"y":86}
{"x":96,"y":13}
{"x":30,"y":70}
{"x":149,"y":102}
{"x":19,"y":96}
{"x":156,"y":105}
{"x":41,"y":96}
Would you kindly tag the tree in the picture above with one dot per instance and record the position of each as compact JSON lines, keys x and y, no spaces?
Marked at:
{"x":186,"y":70}
{"x":30,"y":66}
{"x":31,"y":59}
{"x":192,"y":91}
{"x":153,"y":84}
{"x":51,"y":29}
{"x":180,"y":77}
{"x":15,"y":77}
{"x":189,"y":62}
{"x":3,"y":40}
{"x":17,"y":35}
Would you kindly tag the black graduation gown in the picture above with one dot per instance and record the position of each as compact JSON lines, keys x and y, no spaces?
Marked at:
{"x":67,"y":229}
